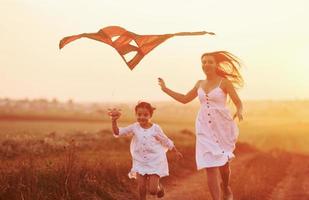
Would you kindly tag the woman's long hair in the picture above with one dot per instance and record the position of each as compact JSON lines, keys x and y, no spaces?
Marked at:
{"x":228,"y":66}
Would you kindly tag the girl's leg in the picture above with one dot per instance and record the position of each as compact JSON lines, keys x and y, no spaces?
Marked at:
{"x":141,"y":185}
{"x":213,"y":182}
{"x":154,"y":184}
{"x":225,"y":172}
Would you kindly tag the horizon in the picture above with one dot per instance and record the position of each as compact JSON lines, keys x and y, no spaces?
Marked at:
{"x":195,"y":101}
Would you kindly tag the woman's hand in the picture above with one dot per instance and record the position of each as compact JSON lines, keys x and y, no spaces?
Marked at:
{"x":161,"y":83}
{"x":238,"y":114}
{"x":114,"y":113}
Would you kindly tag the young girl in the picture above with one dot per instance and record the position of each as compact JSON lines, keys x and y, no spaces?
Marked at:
{"x":148,"y":149}
{"x":216,"y":132}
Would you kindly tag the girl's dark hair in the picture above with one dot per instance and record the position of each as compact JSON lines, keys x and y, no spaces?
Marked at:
{"x":145,"y":105}
{"x":229,"y":66}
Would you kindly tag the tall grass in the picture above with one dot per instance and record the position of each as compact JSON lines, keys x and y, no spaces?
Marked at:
{"x":81,"y":160}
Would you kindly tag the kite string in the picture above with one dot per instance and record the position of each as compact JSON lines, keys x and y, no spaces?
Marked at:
{"x":114,"y":91}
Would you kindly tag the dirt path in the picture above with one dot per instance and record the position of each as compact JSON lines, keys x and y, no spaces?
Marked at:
{"x":195,"y":187}
{"x":295,"y":185}
{"x":256,"y":175}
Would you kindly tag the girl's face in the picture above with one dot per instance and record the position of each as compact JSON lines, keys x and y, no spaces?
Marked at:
{"x":209,"y":64}
{"x":143,"y":116}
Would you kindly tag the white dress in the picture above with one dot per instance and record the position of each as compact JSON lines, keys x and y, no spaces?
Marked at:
{"x":148,"y":149}
{"x":216,"y":132}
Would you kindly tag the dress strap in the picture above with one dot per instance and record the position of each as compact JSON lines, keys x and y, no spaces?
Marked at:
{"x":220,"y":82}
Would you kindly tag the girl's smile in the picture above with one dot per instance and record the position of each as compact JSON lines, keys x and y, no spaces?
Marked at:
{"x":143,"y":117}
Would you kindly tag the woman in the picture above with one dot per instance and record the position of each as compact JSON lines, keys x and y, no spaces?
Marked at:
{"x":216,"y":132}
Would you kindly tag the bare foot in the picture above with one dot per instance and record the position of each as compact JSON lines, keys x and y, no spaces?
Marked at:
{"x":227,"y":192}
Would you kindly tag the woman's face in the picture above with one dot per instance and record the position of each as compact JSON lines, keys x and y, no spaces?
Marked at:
{"x":143,"y":116}
{"x":209,"y":64}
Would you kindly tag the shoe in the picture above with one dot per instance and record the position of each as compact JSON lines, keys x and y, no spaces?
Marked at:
{"x":160,"y":193}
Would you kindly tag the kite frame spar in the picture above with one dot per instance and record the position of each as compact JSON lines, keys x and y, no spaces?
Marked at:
{"x":123,"y":42}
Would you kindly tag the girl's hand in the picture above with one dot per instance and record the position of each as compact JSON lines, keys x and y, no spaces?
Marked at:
{"x":179,"y":155}
{"x":114,"y":113}
{"x":161,"y":83}
{"x":238,"y":114}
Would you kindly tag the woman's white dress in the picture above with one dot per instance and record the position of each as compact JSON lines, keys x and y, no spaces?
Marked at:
{"x":216,"y":132}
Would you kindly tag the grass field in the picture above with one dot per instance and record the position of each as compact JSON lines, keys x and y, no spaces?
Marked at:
{"x":44,"y":159}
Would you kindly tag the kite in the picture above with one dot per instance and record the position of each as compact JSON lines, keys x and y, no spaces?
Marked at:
{"x":127,"y":42}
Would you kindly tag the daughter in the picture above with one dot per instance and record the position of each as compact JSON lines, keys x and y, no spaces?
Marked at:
{"x":148,"y":149}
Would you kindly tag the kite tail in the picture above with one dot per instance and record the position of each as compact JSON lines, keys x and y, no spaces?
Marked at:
{"x":194,"y":33}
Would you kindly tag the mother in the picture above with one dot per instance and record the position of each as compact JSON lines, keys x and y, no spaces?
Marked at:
{"x":216,"y":132}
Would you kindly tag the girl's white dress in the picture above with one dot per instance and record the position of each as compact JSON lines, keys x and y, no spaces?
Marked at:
{"x":216,"y":132}
{"x":148,"y":149}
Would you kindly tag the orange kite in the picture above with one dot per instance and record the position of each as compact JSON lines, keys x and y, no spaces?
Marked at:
{"x":125,"y":41}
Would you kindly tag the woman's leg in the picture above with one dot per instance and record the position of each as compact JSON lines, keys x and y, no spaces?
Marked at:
{"x":154,"y":184}
{"x":225,"y":172}
{"x":213,"y":178}
{"x":141,"y":185}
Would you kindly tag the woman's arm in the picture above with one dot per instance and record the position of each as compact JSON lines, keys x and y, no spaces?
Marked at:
{"x":230,"y":90}
{"x":177,"y":96}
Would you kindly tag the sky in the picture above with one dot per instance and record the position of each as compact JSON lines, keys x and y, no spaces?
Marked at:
{"x":270,"y":37}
